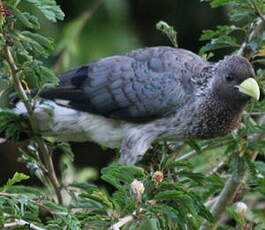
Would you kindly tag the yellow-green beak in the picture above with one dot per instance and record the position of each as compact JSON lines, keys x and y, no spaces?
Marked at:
{"x":250,"y":87}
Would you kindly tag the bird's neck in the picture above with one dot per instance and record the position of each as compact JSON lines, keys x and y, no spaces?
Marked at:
{"x":227,"y":103}
{"x":215,"y":118}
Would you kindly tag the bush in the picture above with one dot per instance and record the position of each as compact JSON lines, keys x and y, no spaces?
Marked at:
{"x":171,"y":191}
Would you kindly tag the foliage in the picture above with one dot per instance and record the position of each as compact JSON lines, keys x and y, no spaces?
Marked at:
{"x":170,"y":191}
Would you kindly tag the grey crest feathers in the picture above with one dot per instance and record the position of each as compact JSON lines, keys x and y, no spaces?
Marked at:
{"x":153,"y":93}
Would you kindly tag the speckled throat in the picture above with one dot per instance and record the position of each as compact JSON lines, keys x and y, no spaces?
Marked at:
{"x":208,"y":120}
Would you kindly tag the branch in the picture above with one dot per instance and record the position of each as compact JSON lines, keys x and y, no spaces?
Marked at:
{"x":121,"y":222}
{"x":232,"y":186}
{"x":20,"y":222}
{"x":45,"y":155}
{"x":40,"y":205}
{"x":258,"y":11}
{"x":227,"y":195}
{"x":204,"y":148}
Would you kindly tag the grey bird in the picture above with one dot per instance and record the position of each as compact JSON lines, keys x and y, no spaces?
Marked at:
{"x":159,"y":93}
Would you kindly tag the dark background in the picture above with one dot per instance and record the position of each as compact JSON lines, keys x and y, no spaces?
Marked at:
{"x":113,"y":27}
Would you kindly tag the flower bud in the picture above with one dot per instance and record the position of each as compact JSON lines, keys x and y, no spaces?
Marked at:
{"x":241,"y":208}
{"x":158,"y":176}
{"x":137,"y":189}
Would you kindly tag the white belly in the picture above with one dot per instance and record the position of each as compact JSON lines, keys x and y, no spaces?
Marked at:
{"x":71,"y":125}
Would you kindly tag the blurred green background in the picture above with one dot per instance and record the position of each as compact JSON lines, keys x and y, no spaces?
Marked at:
{"x":94,"y":29}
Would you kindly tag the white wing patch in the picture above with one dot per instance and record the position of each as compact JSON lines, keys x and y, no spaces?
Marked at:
{"x":62,"y":102}
{"x":70,"y":125}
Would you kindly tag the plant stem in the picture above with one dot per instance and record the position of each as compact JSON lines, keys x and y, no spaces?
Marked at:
{"x":20,"y":222}
{"x":204,"y":148}
{"x":226,"y":196}
{"x":45,"y":155}
{"x":47,"y":160}
{"x":121,"y":222}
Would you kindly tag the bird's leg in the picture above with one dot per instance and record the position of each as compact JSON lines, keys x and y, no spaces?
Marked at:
{"x":134,"y":147}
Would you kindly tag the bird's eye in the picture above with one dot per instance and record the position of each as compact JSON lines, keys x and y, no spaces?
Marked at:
{"x":229,"y":77}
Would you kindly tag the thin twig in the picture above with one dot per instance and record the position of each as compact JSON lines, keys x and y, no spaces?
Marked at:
{"x":204,"y":148}
{"x":20,"y":222}
{"x":45,"y":155}
{"x":217,"y":167}
{"x":42,"y":206}
{"x":121,"y":222}
{"x":258,"y":11}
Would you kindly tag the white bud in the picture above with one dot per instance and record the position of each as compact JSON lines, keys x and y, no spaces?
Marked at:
{"x":137,"y":189}
{"x":241,"y":208}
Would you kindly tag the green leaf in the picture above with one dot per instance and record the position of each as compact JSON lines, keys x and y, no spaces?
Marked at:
{"x":47,"y":43}
{"x":169,"y":31}
{"x":224,"y":41}
{"x":49,"y":8}
{"x":100,"y":197}
{"x":22,"y":17}
{"x":38,"y":76}
{"x":172,"y":164}
{"x":15,"y":179}
{"x":33,"y":20}
{"x":194,"y":145}
{"x":13,"y":2}
{"x":150,"y":224}
{"x":5,"y":89}
{"x":236,"y":216}
{"x":172,"y":218}
{"x":217,"y":3}
{"x":11,"y":124}
{"x":196,"y":177}
{"x":171,"y":195}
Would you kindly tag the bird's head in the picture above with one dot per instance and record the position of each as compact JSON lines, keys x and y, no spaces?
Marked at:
{"x":234,"y":80}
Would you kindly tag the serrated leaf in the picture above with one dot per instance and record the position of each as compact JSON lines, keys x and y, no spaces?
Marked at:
{"x":5,"y":89}
{"x":224,"y":41}
{"x":22,"y":17}
{"x":169,"y":31}
{"x":217,"y":3}
{"x":194,"y":145}
{"x":196,"y":177}
{"x":239,"y":16}
{"x":100,"y":197}
{"x":13,"y":2}
{"x":172,"y":216}
{"x":47,"y":43}
{"x":173,"y":164}
{"x":150,"y":224}
{"x":49,"y":8}
{"x":171,"y":194}
{"x":231,"y":212}
{"x":38,"y":76}
{"x":33,"y":20}
{"x":11,"y":124}
{"x":15,"y":179}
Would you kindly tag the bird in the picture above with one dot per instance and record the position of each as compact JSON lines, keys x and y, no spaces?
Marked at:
{"x":158,"y":93}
